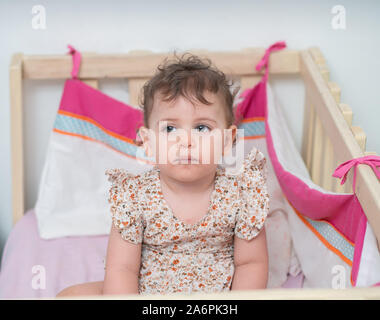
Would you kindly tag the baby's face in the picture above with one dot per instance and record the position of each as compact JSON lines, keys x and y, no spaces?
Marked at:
{"x":187,"y":140}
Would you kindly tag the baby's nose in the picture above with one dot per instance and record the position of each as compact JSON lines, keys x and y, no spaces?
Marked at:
{"x":186,"y":138}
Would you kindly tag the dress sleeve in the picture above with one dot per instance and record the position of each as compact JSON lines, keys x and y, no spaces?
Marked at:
{"x":253,"y":195}
{"x":124,"y":208}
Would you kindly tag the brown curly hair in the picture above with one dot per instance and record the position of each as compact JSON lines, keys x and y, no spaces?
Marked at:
{"x":188,"y":76}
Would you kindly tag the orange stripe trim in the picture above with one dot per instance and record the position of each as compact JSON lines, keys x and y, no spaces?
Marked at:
{"x":84,"y":118}
{"x":106,"y":145}
{"x":253,"y":137}
{"x":253,"y":119}
{"x":320,"y":237}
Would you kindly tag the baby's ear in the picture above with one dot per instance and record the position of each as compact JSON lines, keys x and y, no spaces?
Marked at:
{"x":146,"y":138}
{"x":229,"y":138}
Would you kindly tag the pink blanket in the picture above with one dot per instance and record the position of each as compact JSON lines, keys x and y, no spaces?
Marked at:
{"x":33,"y":267}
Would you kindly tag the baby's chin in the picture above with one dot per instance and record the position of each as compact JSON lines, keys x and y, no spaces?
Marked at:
{"x":187,"y":172}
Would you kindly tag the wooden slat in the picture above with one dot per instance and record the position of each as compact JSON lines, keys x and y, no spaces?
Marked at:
{"x":335,"y":91}
{"x":325,"y":160}
{"x":317,"y":56}
{"x":336,"y":186}
{"x":308,"y":131}
{"x":134,"y":91}
{"x":320,"y":60}
{"x":17,"y":143}
{"x":368,"y":186}
{"x":328,"y":163}
{"x":92,"y":83}
{"x":316,"y":162}
{"x":135,"y":84}
{"x":347,"y":113}
{"x":144,"y":65}
{"x":324,"y":72}
{"x":249,"y":82}
{"x":360,"y":136}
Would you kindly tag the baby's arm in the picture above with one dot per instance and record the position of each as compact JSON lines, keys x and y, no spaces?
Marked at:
{"x":122,"y":265}
{"x":251,"y":263}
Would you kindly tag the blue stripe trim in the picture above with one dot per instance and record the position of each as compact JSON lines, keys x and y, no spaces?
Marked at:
{"x":85,"y":128}
{"x":333,"y":237}
{"x":78,"y":126}
{"x":253,"y":128}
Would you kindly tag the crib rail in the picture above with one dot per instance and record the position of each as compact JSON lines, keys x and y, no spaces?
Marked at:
{"x":142,"y":64}
{"x":328,"y":140}
{"x":263,"y":294}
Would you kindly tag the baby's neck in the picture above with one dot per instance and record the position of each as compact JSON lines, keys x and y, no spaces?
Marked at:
{"x":187,"y":188}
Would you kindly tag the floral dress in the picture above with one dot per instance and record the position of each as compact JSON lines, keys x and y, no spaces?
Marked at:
{"x":181,"y":257}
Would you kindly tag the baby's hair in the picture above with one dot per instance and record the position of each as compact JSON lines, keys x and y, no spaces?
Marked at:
{"x":188,"y":76}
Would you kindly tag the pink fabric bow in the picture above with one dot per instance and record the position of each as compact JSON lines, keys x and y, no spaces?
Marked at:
{"x":264,"y":61}
{"x":76,"y":61}
{"x":343,"y":169}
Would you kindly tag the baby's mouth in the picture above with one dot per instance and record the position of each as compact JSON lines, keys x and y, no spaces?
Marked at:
{"x":187,"y":160}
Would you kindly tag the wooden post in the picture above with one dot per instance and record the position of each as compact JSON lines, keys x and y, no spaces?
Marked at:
{"x":17,"y":143}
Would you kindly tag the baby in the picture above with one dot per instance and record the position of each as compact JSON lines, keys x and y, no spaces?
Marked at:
{"x":186,"y":225}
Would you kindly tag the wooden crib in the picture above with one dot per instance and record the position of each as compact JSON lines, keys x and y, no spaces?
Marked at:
{"x":329,"y":138}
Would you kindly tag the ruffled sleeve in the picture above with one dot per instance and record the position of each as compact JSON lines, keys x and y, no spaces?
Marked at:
{"x":124,"y":207}
{"x":253,"y":194}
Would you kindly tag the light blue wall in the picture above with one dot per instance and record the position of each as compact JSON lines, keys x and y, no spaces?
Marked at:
{"x":120,"y":26}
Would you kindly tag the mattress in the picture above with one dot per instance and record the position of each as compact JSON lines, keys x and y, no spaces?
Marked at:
{"x":32,"y":267}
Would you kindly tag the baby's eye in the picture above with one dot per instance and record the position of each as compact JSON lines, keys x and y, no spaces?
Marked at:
{"x":203,"y":127}
{"x":169,"y":128}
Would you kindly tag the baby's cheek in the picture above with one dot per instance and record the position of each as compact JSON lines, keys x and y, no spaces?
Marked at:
{"x":167,"y":151}
{"x":211,"y":148}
